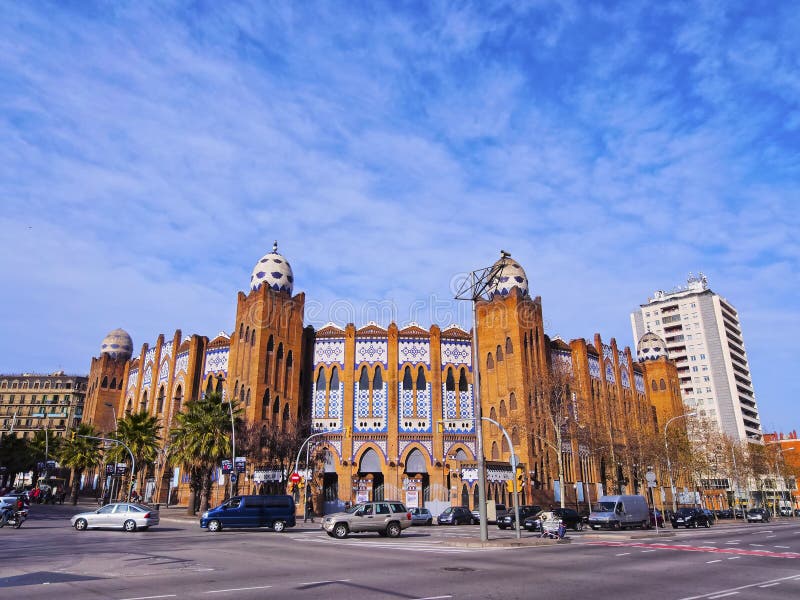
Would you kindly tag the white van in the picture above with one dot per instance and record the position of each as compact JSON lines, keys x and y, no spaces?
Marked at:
{"x":620,"y":512}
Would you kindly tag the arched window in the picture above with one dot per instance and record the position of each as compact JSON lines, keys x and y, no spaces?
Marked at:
{"x":662,"y":384}
{"x":321,"y":381}
{"x":653,"y":385}
{"x":161,"y":400}
{"x":253,"y":338}
{"x":241,"y":331}
{"x":450,"y":382}
{"x":509,"y":346}
{"x":285,"y":420}
{"x":268,"y":360}
{"x":247,"y":398}
{"x":278,"y":365}
{"x":143,"y":405}
{"x":276,"y":408}
{"x":265,"y":405}
{"x":495,"y":451}
{"x":241,"y":396}
{"x":512,"y":401}
{"x":288,"y":373}
{"x":514,"y":437}
{"x":247,"y":334}
{"x":113,"y":385}
{"x":209,"y":385}
{"x":408,"y":383}
{"x":105,"y":382}
{"x":377,"y":380}
{"x":504,"y":444}
{"x":462,"y":381}
{"x":490,"y":362}
{"x":177,"y":401}
{"x":334,"y":378}
{"x":218,"y":387}
{"x":493,"y":414}
{"x":129,"y":406}
{"x":503,"y":412}
{"x":422,"y":384}
{"x":363,"y":380}
{"x":499,"y":354}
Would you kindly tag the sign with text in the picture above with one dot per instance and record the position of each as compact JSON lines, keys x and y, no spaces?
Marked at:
{"x":227,"y":466}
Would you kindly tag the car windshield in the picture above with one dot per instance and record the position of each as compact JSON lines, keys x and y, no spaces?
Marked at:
{"x":447,"y":511}
{"x":605,"y":506}
{"x":353,"y":509}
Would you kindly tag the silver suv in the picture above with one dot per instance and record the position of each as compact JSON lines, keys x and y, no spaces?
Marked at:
{"x":386,"y":518}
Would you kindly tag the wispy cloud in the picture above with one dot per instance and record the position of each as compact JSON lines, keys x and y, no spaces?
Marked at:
{"x":152,"y":153}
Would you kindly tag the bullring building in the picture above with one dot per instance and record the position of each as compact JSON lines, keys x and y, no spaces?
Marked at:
{"x":396,"y":402}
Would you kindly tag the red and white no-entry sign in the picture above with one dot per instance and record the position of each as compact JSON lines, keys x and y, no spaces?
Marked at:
{"x":295,"y":478}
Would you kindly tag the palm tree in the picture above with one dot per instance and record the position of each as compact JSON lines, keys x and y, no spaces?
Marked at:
{"x":78,"y":454}
{"x":200,"y":441}
{"x":15,"y":457}
{"x":140,"y":432}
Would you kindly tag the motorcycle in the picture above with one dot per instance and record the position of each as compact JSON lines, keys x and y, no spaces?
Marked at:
{"x":16,"y":519}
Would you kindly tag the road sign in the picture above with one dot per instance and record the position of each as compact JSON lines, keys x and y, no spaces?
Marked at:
{"x":650,"y":476}
{"x":241,"y":464}
{"x":234,"y":477}
{"x":295,"y":478}
{"x":227,"y":466}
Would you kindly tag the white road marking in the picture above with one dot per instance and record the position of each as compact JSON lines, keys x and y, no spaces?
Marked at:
{"x":644,"y":551}
{"x":708,"y":562}
{"x":730,"y":592}
{"x":434,"y":598}
{"x":151,"y":597}
{"x":772,"y":536}
{"x":325,"y":581}
{"x":244,"y":589}
{"x":783,"y":546}
{"x":770,"y":584}
{"x":734,"y":558}
{"x":623,"y":554}
{"x":759,"y":545}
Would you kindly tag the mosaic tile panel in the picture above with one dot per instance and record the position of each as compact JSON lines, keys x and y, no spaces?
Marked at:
{"x":470,"y":443}
{"x":563,"y":359}
{"x":150,"y":355}
{"x":335,"y":402}
{"x":319,"y":404}
{"x":371,"y":351}
{"x":133,"y":375}
{"x":166,"y":350}
{"x":379,"y":443}
{"x":148,"y":376}
{"x":414,"y":351}
{"x":216,"y":360}
{"x":608,"y":352}
{"x":328,"y":351}
{"x":625,"y":380}
{"x":610,"y":378}
{"x":456,"y":352}
{"x":362,"y":421}
{"x":638,"y":381}
{"x":427,"y":444}
{"x":594,"y":367}
{"x":163,"y":372}
{"x":182,"y":363}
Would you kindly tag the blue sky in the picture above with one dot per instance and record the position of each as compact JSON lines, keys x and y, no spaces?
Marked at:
{"x":151,"y":154}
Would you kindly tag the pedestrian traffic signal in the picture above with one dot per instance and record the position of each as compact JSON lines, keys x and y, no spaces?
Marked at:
{"x":520,"y":478}
{"x":72,"y":436}
{"x":510,"y":485}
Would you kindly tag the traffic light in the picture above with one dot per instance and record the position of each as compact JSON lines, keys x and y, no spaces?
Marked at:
{"x":510,"y":485}
{"x":440,"y":426}
{"x":347,"y":430}
{"x":520,"y":477}
{"x":72,"y":436}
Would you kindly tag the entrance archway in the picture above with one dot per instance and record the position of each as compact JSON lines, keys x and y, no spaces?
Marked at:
{"x":417,"y":465}
{"x":370,"y":464}
{"x":330,"y":485}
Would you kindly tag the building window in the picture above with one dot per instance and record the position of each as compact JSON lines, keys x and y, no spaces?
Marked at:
{"x":509,"y":346}
{"x":702,"y":357}
{"x":654,"y":385}
{"x":408,"y":383}
{"x":499,"y":354}
{"x":662,"y":384}
{"x":450,"y":382}
{"x":490,"y":362}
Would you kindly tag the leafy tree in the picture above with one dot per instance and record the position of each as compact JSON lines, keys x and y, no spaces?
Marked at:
{"x":140,"y":432}
{"x":199,"y":442}
{"x":15,"y":457}
{"x":79,"y":454}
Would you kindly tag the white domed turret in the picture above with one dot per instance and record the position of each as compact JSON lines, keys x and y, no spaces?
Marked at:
{"x":274,"y":271}
{"x":512,"y":275}
{"x":117,"y":344}
{"x":650,"y":347}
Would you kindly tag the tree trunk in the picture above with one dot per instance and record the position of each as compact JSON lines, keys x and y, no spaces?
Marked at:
{"x":76,"y":480}
{"x":190,"y":505}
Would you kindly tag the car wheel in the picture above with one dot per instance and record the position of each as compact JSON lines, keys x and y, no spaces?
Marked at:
{"x":501,"y":527}
{"x":129,"y":525}
{"x":473,"y":521}
{"x":214,"y":526}
{"x":579,"y":526}
{"x":429,"y":522}
{"x":382,"y":533}
{"x":278,"y":526}
{"x":81,"y":524}
{"x":340,"y":531}
{"x":330,"y":533}
{"x":393,"y":529}
{"x":617,"y":525}
{"x":19,"y":522}
{"x":708,"y":524}
{"x":674,"y":526}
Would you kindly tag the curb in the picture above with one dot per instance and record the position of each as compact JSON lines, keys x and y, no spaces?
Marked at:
{"x":507,"y":543}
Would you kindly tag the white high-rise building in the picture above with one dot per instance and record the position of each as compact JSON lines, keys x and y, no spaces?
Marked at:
{"x":703,"y":336}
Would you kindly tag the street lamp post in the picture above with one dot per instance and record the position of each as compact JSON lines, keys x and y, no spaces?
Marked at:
{"x":221,"y":379}
{"x":669,"y":463}
{"x":777,"y":474}
{"x":113,"y":412}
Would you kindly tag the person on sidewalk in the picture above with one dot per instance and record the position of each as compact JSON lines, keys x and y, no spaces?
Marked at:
{"x":309,"y":511}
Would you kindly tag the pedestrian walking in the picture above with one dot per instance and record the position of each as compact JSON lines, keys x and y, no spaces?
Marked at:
{"x":309,"y":510}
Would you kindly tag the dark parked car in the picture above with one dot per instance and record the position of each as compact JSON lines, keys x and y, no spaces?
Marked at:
{"x":690,"y":517}
{"x":455,"y":515}
{"x":711,"y":516}
{"x":758,"y":515}
{"x":571,"y":519}
{"x":725,"y":513}
{"x":508,"y":520}
{"x":499,"y":511}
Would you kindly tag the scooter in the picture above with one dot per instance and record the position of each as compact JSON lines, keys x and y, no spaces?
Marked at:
{"x":16,"y":519}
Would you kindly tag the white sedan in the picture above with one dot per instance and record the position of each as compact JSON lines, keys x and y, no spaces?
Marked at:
{"x":121,"y":515}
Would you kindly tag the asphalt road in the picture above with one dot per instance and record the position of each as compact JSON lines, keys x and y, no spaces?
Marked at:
{"x":47,"y":559}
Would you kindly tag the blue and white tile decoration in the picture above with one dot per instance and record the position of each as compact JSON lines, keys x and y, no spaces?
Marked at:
{"x":133,"y":375}
{"x":163,"y":372}
{"x":608,"y":352}
{"x":610,"y":378}
{"x":372,"y":351}
{"x":148,"y":377}
{"x":328,"y":351}
{"x":150,"y":355}
{"x":638,"y":381}
{"x":216,"y":361}
{"x":562,"y":358}
{"x":414,"y":351}
{"x":182,"y":363}
{"x":625,"y":380}
{"x":456,"y":352}
{"x":594,"y":366}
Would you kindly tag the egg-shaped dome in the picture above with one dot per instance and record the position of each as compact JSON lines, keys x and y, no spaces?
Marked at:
{"x":510,"y":275}
{"x":650,"y":347}
{"x":274,"y":271}
{"x":117,"y":344}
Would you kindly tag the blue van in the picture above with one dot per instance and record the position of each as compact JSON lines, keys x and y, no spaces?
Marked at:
{"x":251,"y":511}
